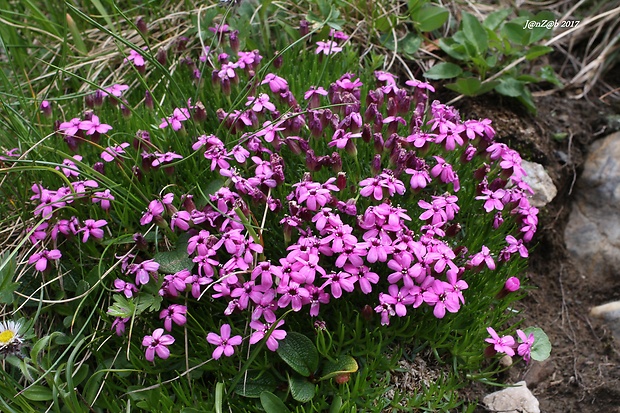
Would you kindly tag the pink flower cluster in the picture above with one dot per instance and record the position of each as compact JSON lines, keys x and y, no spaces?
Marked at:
{"x":508,"y":345}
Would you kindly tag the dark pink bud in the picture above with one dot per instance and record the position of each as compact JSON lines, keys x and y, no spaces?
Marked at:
{"x":481,"y":172}
{"x":99,"y":167}
{"x":378,"y":142}
{"x":512,"y":284}
{"x":148,"y":100}
{"x":278,"y":61}
{"x":141,"y":26}
{"x":125,"y":111}
{"x":375,"y":165}
{"x":341,"y":180}
{"x":200,"y":113}
{"x":304,"y":27}
{"x":140,"y":241}
{"x":162,"y":56}
{"x":181,"y":43}
{"x":366,"y":133}
{"x":392,"y":107}
{"x":46,"y":108}
{"x":336,"y":162}
{"x":98,"y":98}
{"x":371,"y":112}
{"x":234,"y":40}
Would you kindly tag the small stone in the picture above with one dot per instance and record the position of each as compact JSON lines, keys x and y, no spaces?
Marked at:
{"x":609,"y":312}
{"x":540,"y":181}
{"x":538,"y":372}
{"x":505,"y":361}
{"x":517,"y":399}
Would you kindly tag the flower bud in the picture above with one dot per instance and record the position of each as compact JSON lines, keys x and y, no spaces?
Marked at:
{"x":233,"y":39}
{"x":148,"y":100}
{"x":336,"y":162}
{"x":162,"y":56}
{"x":341,"y":180}
{"x":125,"y":111}
{"x":304,"y":27}
{"x":512,"y":284}
{"x":200,"y":113}
{"x":99,"y":167}
{"x":375,"y":165}
{"x":278,"y":61}
{"x":140,"y":241}
{"x":142,"y":26}
{"x":46,"y":108}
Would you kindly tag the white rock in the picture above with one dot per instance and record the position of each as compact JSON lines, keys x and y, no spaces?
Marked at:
{"x":609,"y":312}
{"x":517,"y":399}
{"x":540,"y":181}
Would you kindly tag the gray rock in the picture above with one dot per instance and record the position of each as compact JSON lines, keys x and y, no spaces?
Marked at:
{"x":518,"y":399}
{"x":593,"y":232}
{"x":609,"y":312}
{"x":540,"y":181}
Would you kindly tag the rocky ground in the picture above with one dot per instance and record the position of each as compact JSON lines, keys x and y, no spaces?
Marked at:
{"x":583,"y":372}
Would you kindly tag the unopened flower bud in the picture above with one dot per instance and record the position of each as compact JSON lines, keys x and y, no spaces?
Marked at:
{"x":233,"y":39}
{"x":341,"y":180}
{"x":140,"y":241}
{"x":98,"y":98}
{"x":148,"y":100}
{"x":162,"y":56}
{"x":367,"y":313}
{"x":304,"y":28}
{"x":125,"y":111}
{"x":375,"y":165}
{"x":336,"y":162}
{"x":99,"y":167}
{"x":46,"y":108}
{"x":200,"y":113}
{"x":512,"y":284}
{"x":278,"y":61}
{"x":392,"y":107}
{"x":141,"y":26}
{"x":137,"y":172}
{"x":181,"y":43}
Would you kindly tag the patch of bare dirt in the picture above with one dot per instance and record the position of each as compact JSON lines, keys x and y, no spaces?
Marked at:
{"x":583,"y":372}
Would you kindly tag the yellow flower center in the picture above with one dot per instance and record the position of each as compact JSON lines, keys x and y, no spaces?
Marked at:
{"x":6,"y":337}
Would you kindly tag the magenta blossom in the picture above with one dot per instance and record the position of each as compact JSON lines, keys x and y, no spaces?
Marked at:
{"x":261,"y":330}
{"x":115,"y":90}
{"x":40,"y":258}
{"x":94,"y":125}
{"x":68,"y":167}
{"x":93,"y":228}
{"x":503,"y":344}
{"x":525,"y":346}
{"x":104,"y":198}
{"x":157,"y":344}
{"x":109,"y":154}
{"x":178,"y":115}
{"x":327,"y":48}
{"x":175,"y":313}
{"x":224,"y":342}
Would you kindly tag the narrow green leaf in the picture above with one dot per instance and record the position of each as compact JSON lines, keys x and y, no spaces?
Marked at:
{"x":272,"y":403}
{"x":537,"y":51}
{"x":343,"y":364}
{"x":475,"y":32}
{"x":301,"y":389}
{"x":77,"y":36}
{"x":429,"y":17}
{"x":443,"y":70}
{"x":299,"y":352}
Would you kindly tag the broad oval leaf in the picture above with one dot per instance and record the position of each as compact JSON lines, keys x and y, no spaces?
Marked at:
{"x":343,"y":364}
{"x":443,"y":70}
{"x":510,"y":87}
{"x":469,"y":86}
{"x":299,"y":352}
{"x":541,"y":350}
{"x":272,"y":403}
{"x":495,"y":19}
{"x":256,"y":383}
{"x":301,"y":389}
{"x":429,"y":17}
{"x":475,"y":32}
{"x":171,"y":262}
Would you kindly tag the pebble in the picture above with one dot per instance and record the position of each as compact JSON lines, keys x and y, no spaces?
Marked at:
{"x":540,"y":181}
{"x":517,"y":399}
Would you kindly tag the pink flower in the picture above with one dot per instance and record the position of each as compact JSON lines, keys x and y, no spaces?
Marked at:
{"x":178,"y":115}
{"x":503,"y":344}
{"x":136,"y":58}
{"x":483,"y":256}
{"x":327,"y":48}
{"x":104,"y":197}
{"x":155,"y":209}
{"x":261,"y":331}
{"x":261,"y":102}
{"x":94,"y":125}
{"x":512,"y":284}
{"x":110,"y":153}
{"x":276,"y":83}
{"x":157,"y":344}
{"x":70,"y":128}
{"x":224,"y":342}
{"x":525,"y":346}
{"x":128,"y":289}
{"x":40,"y":258}
{"x":175,"y":313}
{"x":93,"y":228}
{"x":115,"y":90}
{"x":68,"y":167}
{"x":142,"y":270}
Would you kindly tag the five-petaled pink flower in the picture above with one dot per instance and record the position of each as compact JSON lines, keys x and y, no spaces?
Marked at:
{"x":40,"y":259}
{"x":262,"y":329}
{"x":94,"y":125}
{"x":174,"y":313}
{"x":525,"y":346}
{"x":327,"y":48}
{"x":178,"y":115}
{"x":503,"y":344}
{"x":224,"y":342}
{"x":157,"y":344}
{"x":93,"y":228}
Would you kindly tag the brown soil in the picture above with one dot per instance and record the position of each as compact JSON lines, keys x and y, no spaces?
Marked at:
{"x":583,"y":372}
